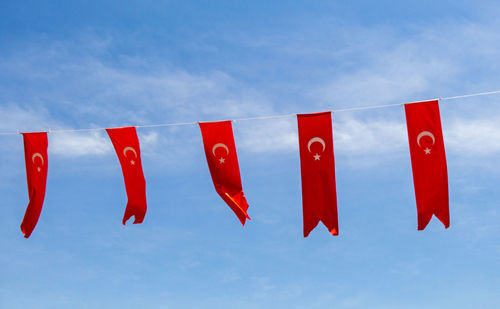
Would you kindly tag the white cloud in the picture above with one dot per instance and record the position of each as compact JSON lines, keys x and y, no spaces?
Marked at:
{"x":478,"y":137}
{"x":392,"y":79}
{"x":68,"y":89}
{"x":260,"y":136}
{"x":133,"y":91}
{"x":357,"y":137}
{"x":473,"y":137}
{"x":148,"y":139}
{"x":379,"y":65}
{"x":90,"y":91}
{"x":348,"y":65}
{"x":75,"y":144}
{"x":65,"y":144}
{"x":352,"y":136}
{"x":365,"y":137}
{"x":15,"y":118}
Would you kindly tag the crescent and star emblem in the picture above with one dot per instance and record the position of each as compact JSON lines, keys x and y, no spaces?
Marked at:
{"x":37,"y":154}
{"x":128,"y":148}
{"x":429,"y":134}
{"x":316,"y":140}
{"x":220,"y":145}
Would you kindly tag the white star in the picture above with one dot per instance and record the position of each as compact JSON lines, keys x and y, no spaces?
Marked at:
{"x":39,"y":169}
{"x":316,"y":157}
{"x":427,"y":151}
{"x":132,"y":162}
{"x":222,"y":160}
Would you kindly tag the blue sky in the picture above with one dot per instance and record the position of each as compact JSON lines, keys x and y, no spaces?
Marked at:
{"x":71,"y":65}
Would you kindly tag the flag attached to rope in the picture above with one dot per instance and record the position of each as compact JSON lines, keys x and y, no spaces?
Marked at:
{"x":35,"y":155}
{"x":222,"y":160}
{"x":428,"y":161}
{"x":317,"y":165}
{"x":127,"y":148}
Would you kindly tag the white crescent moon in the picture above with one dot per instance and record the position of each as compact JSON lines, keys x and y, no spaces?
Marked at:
{"x":219,"y":145}
{"x":37,"y":155}
{"x":127,"y":149}
{"x":314,"y":140}
{"x":425,"y":133}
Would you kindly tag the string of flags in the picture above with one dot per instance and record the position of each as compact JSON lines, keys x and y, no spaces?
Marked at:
{"x":317,"y":166}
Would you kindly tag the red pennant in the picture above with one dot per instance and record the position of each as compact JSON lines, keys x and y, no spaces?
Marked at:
{"x":35,"y":155}
{"x":127,"y":148}
{"x":428,"y":161}
{"x":222,"y":161}
{"x":317,"y":165}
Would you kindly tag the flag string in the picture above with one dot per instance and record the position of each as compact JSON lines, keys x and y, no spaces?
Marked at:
{"x":174,"y":124}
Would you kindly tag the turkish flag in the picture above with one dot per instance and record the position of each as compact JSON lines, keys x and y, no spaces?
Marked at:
{"x":222,"y":160}
{"x":317,"y":166}
{"x":35,"y":155}
{"x":428,"y":162}
{"x":127,"y":148}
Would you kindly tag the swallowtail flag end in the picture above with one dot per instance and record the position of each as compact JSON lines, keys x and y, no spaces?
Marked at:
{"x":317,"y":166}
{"x":428,"y":162}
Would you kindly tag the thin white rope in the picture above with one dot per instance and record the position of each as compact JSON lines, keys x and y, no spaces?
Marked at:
{"x":470,"y":95}
{"x":267,"y":117}
{"x":366,"y":107}
{"x":264,"y":117}
{"x":382,"y":106}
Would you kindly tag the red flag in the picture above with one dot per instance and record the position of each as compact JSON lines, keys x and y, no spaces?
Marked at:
{"x":35,"y":155}
{"x":317,"y":166}
{"x":428,"y":161}
{"x":222,"y":161}
{"x":127,"y":148}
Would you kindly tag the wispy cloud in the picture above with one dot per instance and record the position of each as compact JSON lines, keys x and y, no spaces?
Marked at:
{"x":14,"y":118}
{"x":474,"y":137}
{"x":390,"y":79}
{"x":79,"y":144}
{"x":88,"y":91}
{"x":69,"y":89}
{"x":357,"y":137}
{"x":268,"y":135}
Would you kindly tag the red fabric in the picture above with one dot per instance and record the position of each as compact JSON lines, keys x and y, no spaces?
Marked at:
{"x":127,"y":148}
{"x":428,"y":161}
{"x":222,"y":161}
{"x":317,"y":165}
{"x":35,"y":156}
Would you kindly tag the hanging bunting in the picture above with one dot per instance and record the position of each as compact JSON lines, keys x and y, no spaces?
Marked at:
{"x":222,"y":160}
{"x":35,"y":155}
{"x":126,"y":144}
{"x":317,"y":165}
{"x":428,"y":161}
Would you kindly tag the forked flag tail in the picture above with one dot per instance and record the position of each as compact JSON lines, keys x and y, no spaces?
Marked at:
{"x":428,"y":161}
{"x":317,"y":166}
